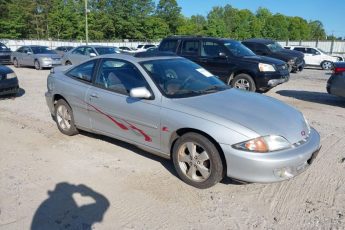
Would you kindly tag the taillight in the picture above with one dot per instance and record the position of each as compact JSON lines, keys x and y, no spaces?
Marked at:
{"x":339,"y":69}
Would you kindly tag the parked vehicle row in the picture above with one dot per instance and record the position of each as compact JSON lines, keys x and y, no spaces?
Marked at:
{"x":5,"y":54}
{"x":336,"y":83}
{"x":9,"y":84}
{"x":175,"y":108}
{"x":270,"y":48}
{"x":231,"y":61}
{"x":316,"y":57}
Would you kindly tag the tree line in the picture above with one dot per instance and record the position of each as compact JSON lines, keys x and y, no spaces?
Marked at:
{"x":144,"y":20}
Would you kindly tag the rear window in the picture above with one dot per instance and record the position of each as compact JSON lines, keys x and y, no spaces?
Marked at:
{"x":168,"y":46}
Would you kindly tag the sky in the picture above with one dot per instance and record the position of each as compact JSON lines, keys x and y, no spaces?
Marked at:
{"x":329,"y":12}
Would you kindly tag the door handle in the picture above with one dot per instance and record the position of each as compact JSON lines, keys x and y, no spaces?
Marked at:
{"x":94,"y":95}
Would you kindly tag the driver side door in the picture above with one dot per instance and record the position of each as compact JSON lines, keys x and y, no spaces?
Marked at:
{"x":114,"y":113}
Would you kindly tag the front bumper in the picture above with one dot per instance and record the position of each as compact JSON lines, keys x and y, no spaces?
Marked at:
{"x":50,"y":63}
{"x":50,"y":103}
{"x":271,"y":167}
{"x":9,"y":86}
{"x":270,"y":80}
{"x":5,"y":58}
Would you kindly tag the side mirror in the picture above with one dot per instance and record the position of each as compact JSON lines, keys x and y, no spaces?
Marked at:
{"x":222,"y":55}
{"x":140,"y":92}
{"x":93,"y":55}
{"x":28,"y":53}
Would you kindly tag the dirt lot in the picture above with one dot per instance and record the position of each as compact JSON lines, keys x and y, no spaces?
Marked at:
{"x":48,"y":179}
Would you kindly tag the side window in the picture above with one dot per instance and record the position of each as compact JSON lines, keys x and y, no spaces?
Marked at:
{"x":211,"y":49}
{"x":88,"y":51}
{"x":300,"y":49}
{"x":20,"y":50}
{"x":250,"y":45}
{"x":168,"y":45}
{"x":190,"y":47}
{"x":119,"y":76}
{"x":83,"y":72}
{"x":79,"y":51}
{"x":261,"y":49}
{"x":26,"y":50}
{"x":312,"y":51}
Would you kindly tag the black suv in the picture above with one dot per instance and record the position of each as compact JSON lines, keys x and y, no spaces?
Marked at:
{"x":270,"y":48}
{"x":5,"y":54}
{"x":231,"y":61}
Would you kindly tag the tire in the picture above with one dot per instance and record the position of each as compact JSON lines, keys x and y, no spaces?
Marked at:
{"x":37,"y":65}
{"x":243,"y":81}
{"x":203,"y":170}
{"x":65,"y":121}
{"x":68,"y":63}
{"x":16,"y":63}
{"x":326,"y":65}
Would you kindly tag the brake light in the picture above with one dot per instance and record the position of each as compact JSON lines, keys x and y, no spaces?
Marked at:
{"x":339,"y":69}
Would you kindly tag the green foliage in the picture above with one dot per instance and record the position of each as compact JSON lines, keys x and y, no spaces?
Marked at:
{"x":141,"y":19}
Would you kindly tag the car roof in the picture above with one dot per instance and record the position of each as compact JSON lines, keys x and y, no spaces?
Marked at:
{"x":198,"y":37}
{"x":260,"y":40}
{"x":34,"y":46}
{"x":139,"y":57}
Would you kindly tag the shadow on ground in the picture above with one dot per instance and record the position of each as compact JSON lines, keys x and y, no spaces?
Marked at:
{"x":61,"y":209}
{"x":20,"y":93}
{"x":166,"y":163}
{"x":316,"y":97}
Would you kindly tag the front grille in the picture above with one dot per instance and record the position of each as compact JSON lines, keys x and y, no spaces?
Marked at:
{"x":282,"y":67}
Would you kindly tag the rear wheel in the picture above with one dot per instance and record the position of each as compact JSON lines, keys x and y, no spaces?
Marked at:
{"x":16,"y":63}
{"x":197,"y":161}
{"x":68,"y":63}
{"x":37,"y":65}
{"x":64,"y":118}
{"x":326,"y":65}
{"x":244,"y":82}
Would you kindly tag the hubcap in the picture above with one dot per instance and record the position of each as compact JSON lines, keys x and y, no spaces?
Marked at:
{"x":63,"y":117}
{"x":242,"y":84}
{"x":327,"y":65}
{"x":194,"y":162}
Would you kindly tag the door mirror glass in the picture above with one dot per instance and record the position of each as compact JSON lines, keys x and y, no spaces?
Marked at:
{"x":140,"y":92}
{"x":222,"y":55}
{"x":93,"y":55}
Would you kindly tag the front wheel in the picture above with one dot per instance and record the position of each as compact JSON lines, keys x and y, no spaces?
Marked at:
{"x":37,"y":65}
{"x":16,"y":63}
{"x":197,"y":161}
{"x":64,"y":118}
{"x":244,"y":82}
{"x":326,"y":65}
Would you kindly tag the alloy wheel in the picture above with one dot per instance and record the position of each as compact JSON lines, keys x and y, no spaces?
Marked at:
{"x":242,"y":84}
{"x":194,"y":162}
{"x":327,"y":65}
{"x":63,"y":117}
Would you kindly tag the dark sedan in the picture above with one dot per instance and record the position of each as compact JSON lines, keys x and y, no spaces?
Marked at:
{"x":9,"y":84}
{"x":336,"y":83}
{"x":5,"y":54}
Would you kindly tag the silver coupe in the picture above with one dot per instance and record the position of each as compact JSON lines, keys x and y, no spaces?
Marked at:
{"x":174,"y":108}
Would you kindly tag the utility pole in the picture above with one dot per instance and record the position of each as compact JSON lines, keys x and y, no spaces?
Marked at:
{"x":86,"y":24}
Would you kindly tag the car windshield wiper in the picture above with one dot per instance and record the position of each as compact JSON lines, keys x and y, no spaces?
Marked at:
{"x":213,"y":88}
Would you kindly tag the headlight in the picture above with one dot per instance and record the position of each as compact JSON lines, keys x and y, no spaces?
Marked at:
{"x":264,"y":144}
{"x":46,"y":59}
{"x":266,"y":67}
{"x":11,"y":75}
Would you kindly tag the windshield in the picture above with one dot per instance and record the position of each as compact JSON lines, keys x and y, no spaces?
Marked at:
{"x":322,"y":51}
{"x":3,"y":47}
{"x":42,"y":50}
{"x":106,"y":50}
{"x":275,"y":47}
{"x":237,"y":49}
{"x":178,"y":78}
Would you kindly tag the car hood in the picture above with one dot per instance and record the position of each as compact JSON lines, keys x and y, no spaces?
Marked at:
{"x":262,"y":114}
{"x":264,"y":59}
{"x":5,"y":70}
{"x":48,"y":55}
{"x":286,"y":55}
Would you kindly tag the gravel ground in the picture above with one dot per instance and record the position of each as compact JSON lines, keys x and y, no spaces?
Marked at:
{"x":54,"y":181}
